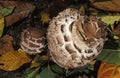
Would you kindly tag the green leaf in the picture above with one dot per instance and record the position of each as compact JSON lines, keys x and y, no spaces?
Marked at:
{"x":47,"y":73}
{"x":109,"y":19}
{"x":6,"y":11}
{"x":57,"y":69}
{"x":82,"y":69}
{"x":33,"y":73}
{"x":85,"y":68}
{"x":30,"y":73}
{"x":110,"y":56}
{"x":3,"y":12}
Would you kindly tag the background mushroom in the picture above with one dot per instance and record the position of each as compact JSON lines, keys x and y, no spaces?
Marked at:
{"x":32,"y":40}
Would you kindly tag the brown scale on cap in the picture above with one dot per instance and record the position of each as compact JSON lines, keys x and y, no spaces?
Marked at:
{"x":32,"y":40}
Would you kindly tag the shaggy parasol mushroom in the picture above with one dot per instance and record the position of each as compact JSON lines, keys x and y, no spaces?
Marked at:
{"x":74,"y":40}
{"x":32,"y":40}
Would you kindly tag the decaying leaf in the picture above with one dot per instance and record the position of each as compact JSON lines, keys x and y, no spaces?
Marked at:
{"x":45,"y":18}
{"x":6,"y":44}
{"x":4,"y":12}
{"x":113,"y":26}
{"x":82,"y":9}
{"x":13,"y":60}
{"x":116,"y":27}
{"x":35,"y":62}
{"x":99,"y":0}
{"x":113,"y":5}
{"x":21,"y":11}
{"x":108,"y":71}
{"x":1,"y":26}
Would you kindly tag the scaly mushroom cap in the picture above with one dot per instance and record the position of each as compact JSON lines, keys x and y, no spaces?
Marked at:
{"x":74,"y":40}
{"x":32,"y":40}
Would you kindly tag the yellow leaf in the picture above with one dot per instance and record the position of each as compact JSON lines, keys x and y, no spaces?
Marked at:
{"x":1,"y":23}
{"x":1,"y":26}
{"x":35,"y":62}
{"x":109,"y":19}
{"x":116,"y":37}
{"x":44,"y":58}
{"x":82,"y":9}
{"x":13,"y":60}
{"x":44,"y":17}
{"x":108,"y":71}
{"x":92,"y":62}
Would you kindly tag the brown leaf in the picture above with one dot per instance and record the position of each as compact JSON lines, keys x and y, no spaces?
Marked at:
{"x":113,"y":5}
{"x":108,"y":71}
{"x":22,"y":10}
{"x":13,"y":60}
{"x":6,"y":44}
{"x":115,"y":28}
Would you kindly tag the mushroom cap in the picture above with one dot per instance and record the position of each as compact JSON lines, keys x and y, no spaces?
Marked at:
{"x":32,"y":40}
{"x":74,"y":40}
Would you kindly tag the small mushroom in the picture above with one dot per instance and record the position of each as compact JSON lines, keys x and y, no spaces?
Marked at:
{"x":74,"y":40}
{"x":32,"y":40}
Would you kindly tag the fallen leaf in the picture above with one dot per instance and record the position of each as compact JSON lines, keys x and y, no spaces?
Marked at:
{"x":101,"y":0}
{"x":57,"y":69}
{"x":82,"y":9}
{"x":45,"y":18}
{"x":6,"y":44}
{"x":47,"y":73}
{"x":113,"y":5}
{"x":30,"y":72}
{"x":38,"y":60}
{"x":22,"y":10}
{"x":116,"y":28}
{"x":1,"y":26}
{"x":6,"y":11}
{"x":110,"y":56}
{"x":44,"y":58}
{"x":35,"y":62}
{"x":113,"y":26}
{"x":13,"y":60}
{"x":33,"y":73}
{"x":83,"y":69}
{"x":116,"y":37}
{"x":110,"y":19}
{"x":108,"y":71}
